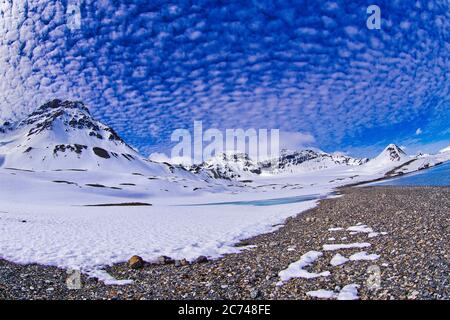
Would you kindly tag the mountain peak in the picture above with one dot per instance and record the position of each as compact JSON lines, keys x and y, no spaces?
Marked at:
{"x":63,"y":134}
{"x":68,"y":116}
{"x":391,"y":153}
{"x":394,"y":151}
{"x":60,"y":104}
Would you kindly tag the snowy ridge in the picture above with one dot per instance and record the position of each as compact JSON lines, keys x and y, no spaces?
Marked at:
{"x":308,"y":160}
{"x":239,"y":165}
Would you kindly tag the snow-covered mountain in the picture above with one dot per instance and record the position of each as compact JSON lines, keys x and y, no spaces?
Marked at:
{"x":391,"y":154}
{"x":393,"y":161}
{"x":241,"y":166}
{"x":63,"y":135}
{"x":228,"y":166}
{"x":308,"y":160}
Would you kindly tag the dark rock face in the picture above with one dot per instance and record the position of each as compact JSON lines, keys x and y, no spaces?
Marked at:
{"x":77,"y":148}
{"x":5,"y":127}
{"x":127,"y":156}
{"x":395,"y":152}
{"x":102,"y":153}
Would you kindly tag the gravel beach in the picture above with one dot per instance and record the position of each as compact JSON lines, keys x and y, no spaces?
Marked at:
{"x":407,"y":227}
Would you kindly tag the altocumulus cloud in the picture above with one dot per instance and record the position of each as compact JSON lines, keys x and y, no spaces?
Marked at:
{"x":148,"y":67}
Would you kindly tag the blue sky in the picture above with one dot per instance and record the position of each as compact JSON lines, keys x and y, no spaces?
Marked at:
{"x":309,"y":68}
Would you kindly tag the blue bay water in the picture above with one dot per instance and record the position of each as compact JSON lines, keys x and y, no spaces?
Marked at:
{"x":267,"y":202}
{"x":437,"y":176}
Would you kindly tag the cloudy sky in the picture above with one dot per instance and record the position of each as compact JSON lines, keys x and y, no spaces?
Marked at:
{"x":310,"y":68}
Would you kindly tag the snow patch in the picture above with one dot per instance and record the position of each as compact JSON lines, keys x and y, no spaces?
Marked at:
{"x":336,"y":229}
{"x":296,"y":269}
{"x":338,"y":260}
{"x":332,"y":247}
{"x":361,"y":228}
{"x":363,"y":255}
{"x":349,"y":292}
{"x":322,"y":294}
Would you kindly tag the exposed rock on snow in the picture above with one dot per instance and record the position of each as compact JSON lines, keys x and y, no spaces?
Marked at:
{"x":135,"y":262}
{"x":165,"y":260}
{"x":201,"y":259}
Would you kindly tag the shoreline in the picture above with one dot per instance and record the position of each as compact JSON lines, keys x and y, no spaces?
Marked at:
{"x":412,"y":263}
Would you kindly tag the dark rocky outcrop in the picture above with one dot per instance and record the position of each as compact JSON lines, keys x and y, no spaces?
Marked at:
{"x":102,"y":153}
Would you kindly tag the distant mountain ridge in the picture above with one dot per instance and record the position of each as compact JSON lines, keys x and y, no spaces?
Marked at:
{"x":240,"y":165}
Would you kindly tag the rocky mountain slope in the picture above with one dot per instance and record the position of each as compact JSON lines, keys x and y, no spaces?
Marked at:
{"x":64,"y":135}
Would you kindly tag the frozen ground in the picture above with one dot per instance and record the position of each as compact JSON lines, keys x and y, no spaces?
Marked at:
{"x":70,"y":235}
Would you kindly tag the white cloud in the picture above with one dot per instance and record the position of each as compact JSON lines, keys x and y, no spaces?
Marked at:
{"x":445,"y":150}
{"x":419,"y":131}
{"x":162,"y":157}
{"x":295,"y":140}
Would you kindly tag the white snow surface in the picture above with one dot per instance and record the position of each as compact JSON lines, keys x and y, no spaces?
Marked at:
{"x":362,"y":228}
{"x":336,"y":229}
{"x":296,"y":269}
{"x":349,"y":292}
{"x":69,"y":235}
{"x":333,"y":247}
{"x":363,"y":255}
{"x":338,"y":260}
{"x":322,"y":294}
